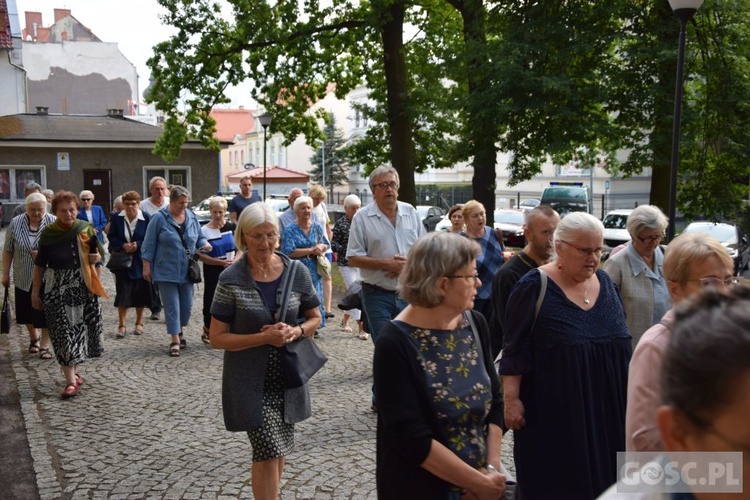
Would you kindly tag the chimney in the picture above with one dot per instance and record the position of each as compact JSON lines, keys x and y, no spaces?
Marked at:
{"x":114,"y":113}
{"x":61,"y":14}
{"x":42,"y":110}
{"x":33,"y":21}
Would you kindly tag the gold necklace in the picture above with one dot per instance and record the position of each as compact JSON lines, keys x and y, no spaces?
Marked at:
{"x":586,"y":294}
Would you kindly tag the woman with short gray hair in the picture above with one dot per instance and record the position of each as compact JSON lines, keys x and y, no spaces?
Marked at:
{"x":637,"y":271}
{"x":244,"y":323}
{"x":172,"y":238}
{"x":339,"y":244}
{"x":565,"y":368}
{"x":439,"y":404}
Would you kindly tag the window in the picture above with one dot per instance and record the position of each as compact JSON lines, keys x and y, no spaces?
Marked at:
{"x":178,"y":175}
{"x":13,"y":181}
{"x":356,"y":118}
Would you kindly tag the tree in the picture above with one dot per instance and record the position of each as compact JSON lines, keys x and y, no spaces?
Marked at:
{"x":336,"y":163}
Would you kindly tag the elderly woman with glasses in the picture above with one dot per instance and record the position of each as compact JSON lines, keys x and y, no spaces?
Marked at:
{"x":565,"y":368}
{"x":693,"y":261}
{"x":637,"y":271}
{"x":21,"y":247}
{"x":306,"y":240}
{"x":92,"y":213}
{"x":246,"y":325}
{"x":439,"y":405}
{"x":172,"y":238}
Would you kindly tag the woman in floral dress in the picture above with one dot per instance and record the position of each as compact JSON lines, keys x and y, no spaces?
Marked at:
{"x":439,"y":403}
{"x":305,"y":240}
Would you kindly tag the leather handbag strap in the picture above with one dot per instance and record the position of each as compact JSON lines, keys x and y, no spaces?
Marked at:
{"x":286,"y":289}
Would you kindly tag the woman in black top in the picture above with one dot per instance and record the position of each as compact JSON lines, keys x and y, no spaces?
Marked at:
{"x":70,"y":249}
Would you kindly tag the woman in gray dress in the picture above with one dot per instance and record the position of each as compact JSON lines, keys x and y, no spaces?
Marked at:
{"x":244,"y":323}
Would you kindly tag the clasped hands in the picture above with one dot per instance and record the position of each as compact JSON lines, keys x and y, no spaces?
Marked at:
{"x":394,"y":266}
{"x":318,"y":249}
{"x":280,"y":334}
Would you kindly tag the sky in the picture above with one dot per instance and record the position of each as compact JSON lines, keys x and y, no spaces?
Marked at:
{"x":133,"y":24}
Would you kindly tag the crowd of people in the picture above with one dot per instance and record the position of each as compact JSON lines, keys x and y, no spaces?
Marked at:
{"x":580,"y":360}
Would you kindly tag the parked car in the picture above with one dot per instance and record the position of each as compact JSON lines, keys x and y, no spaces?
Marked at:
{"x":203,"y":212}
{"x":566,"y":198}
{"x":730,"y":235}
{"x":277,"y":204}
{"x":511,"y":222}
{"x":444,"y":224}
{"x":530,"y":204}
{"x":430,"y":216}
{"x":615,"y":224}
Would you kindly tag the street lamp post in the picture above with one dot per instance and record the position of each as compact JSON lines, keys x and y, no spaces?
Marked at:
{"x":684,"y":10}
{"x":323,"y":166}
{"x":265,"y":121}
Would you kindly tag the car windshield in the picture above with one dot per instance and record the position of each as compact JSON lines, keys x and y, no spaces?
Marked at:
{"x":722,"y":232}
{"x":615,"y":221}
{"x":509,"y":218}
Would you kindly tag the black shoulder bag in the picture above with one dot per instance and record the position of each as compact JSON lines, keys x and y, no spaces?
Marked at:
{"x":121,"y":261}
{"x":194,"y":269}
{"x":302,"y":358}
{"x":7,"y":318}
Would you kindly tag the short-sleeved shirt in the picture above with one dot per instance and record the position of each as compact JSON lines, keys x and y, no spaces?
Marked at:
{"x":373,"y":235}
{"x":239,"y":203}
{"x":148,"y":206}
{"x":488,"y":261}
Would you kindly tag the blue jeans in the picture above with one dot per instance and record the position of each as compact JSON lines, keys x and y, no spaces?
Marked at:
{"x":380,"y":307}
{"x":177,"y":299}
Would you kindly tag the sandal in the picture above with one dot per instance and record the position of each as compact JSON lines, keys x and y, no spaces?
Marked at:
{"x":174,"y":350}
{"x":138,"y":330}
{"x":45,"y":353}
{"x":70,"y":391}
{"x":345,"y":326}
{"x":183,"y":344}
{"x":364,"y":336}
{"x":79,"y":380}
{"x":34,"y":346}
{"x":120,"y":332}
{"x":206,"y":338}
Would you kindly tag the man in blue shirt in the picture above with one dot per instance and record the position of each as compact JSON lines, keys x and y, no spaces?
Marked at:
{"x":245,"y":198}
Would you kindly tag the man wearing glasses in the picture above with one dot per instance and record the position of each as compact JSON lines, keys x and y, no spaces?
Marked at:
{"x":381,"y":235}
{"x":157,"y":186}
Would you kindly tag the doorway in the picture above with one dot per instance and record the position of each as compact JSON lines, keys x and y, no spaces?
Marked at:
{"x":99,"y":182}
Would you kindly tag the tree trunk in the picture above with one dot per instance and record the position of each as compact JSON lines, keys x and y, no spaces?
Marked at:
{"x":479,"y":119}
{"x":397,"y":95}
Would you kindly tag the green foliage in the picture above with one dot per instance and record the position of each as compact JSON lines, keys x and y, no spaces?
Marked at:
{"x":336,"y":162}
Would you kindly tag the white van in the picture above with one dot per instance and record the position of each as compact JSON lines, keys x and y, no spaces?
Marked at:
{"x":567,"y":198}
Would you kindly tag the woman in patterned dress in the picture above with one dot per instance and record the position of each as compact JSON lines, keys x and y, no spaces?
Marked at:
{"x":69,"y":251}
{"x":439,"y":403}
{"x":305,"y":240}
{"x":21,"y":240}
{"x":244,"y":323}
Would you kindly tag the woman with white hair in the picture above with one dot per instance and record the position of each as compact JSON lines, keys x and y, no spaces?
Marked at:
{"x":21,"y":246}
{"x":220,"y":235}
{"x":637,"y":271}
{"x":245,"y":324}
{"x":92,"y":213}
{"x":318,"y":195}
{"x":306,"y":240}
{"x":565,"y":368}
{"x":339,"y":244}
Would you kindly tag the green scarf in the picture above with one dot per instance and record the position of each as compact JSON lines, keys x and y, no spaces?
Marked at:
{"x":55,"y":233}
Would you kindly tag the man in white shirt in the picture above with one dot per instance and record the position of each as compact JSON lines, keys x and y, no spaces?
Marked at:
{"x":381,"y":235}
{"x":159,"y":199}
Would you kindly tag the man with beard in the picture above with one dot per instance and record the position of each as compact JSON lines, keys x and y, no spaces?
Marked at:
{"x":538,"y":230}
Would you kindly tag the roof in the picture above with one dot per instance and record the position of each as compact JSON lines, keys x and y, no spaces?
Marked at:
{"x":230,"y":122}
{"x":276,"y":173}
{"x":77,"y":128}
{"x":6,"y":40}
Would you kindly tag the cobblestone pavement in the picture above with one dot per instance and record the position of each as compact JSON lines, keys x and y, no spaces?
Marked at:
{"x":149,"y":426}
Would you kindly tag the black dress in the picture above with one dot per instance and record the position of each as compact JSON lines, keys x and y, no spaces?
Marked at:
{"x":574,"y":367}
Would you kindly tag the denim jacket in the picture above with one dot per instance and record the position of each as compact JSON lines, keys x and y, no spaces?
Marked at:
{"x":162,"y":246}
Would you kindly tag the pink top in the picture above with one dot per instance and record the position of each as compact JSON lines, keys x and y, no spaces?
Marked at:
{"x":644,"y":388}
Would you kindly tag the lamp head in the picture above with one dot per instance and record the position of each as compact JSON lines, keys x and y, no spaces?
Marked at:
{"x":685,"y":9}
{"x":265,"y":120}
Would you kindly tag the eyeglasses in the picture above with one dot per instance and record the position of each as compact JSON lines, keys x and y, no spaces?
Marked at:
{"x":585,"y":252}
{"x":651,"y":239}
{"x":87,"y":199}
{"x":385,"y":185}
{"x":257,"y":239}
{"x":714,"y":282}
{"x":472,"y":278}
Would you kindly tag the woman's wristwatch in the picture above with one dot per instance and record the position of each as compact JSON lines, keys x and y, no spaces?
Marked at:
{"x":301,"y":332}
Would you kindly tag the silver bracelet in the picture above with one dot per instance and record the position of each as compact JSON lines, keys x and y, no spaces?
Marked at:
{"x":491,"y":468}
